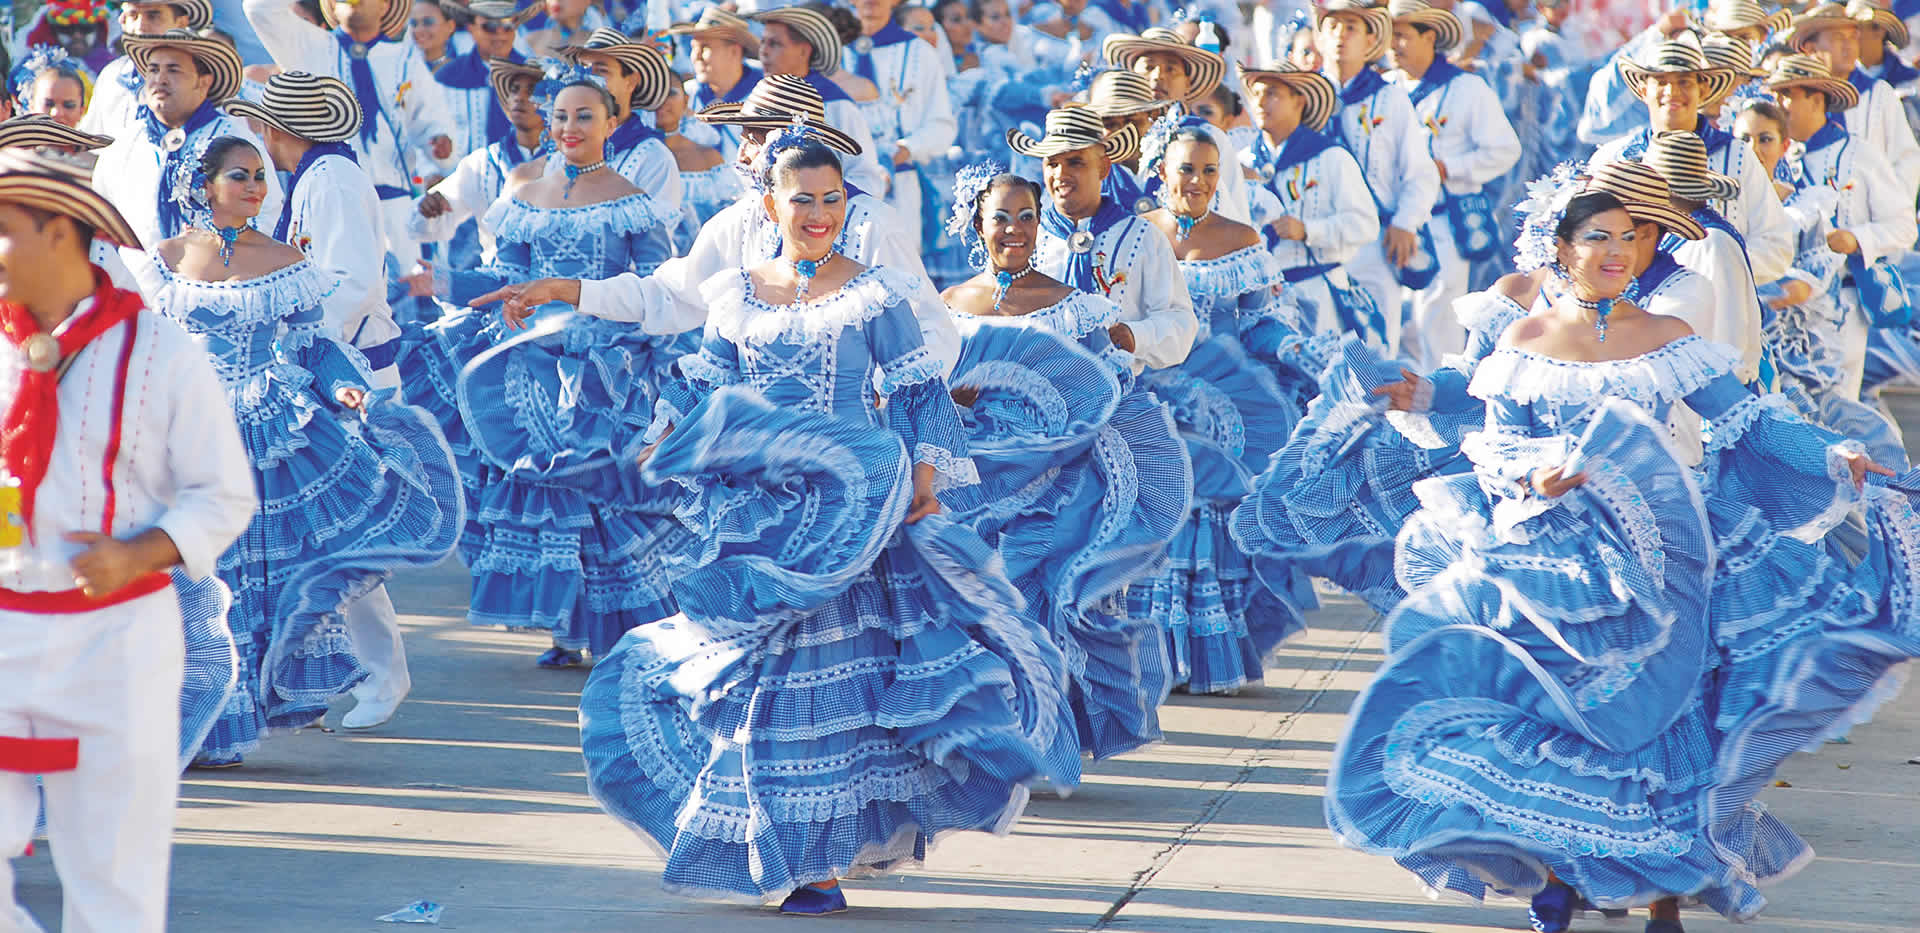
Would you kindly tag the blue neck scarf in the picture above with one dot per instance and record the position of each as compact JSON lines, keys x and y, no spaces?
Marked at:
{"x":172,"y":221}
{"x":1715,"y":138}
{"x":890,"y":34}
{"x":510,"y":150}
{"x":632,"y":132}
{"x":1906,"y":9}
{"x":1080,"y":269}
{"x":131,"y":79}
{"x":829,"y":91}
{"x":469,"y":73}
{"x":1826,"y":136}
{"x":1860,"y":80}
{"x":704,"y":96}
{"x":1363,"y":86}
{"x":364,"y":90}
{"x":1122,"y":188}
{"x":1299,"y":146}
{"x":1437,"y":76}
{"x":1658,"y":272}
{"x":1896,"y":72}
{"x":313,"y":155}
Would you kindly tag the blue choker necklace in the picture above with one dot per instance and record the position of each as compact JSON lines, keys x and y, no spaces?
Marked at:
{"x":228,"y":235}
{"x":807,"y":269}
{"x":575,"y":171}
{"x":1003,"y":280}
{"x":1186,"y":223}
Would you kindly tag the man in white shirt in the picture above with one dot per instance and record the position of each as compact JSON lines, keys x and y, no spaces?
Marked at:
{"x":1185,"y":74}
{"x":116,"y":92}
{"x":476,"y":118}
{"x":720,"y":44}
{"x":308,"y":120}
{"x":913,"y":117}
{"x":1830,"y":32}
{"x":1733,"y":316}
{"x":405,"y":130}
{"x":464,"y":196}
{"x":186,"y":79}
{"x":800,"y":41}
{"x":1089,"y":242}
{"x":1377,"y":123}
{"x":122,"y":460}
{"x":1471,"y":144}
{"x":639,"y":78}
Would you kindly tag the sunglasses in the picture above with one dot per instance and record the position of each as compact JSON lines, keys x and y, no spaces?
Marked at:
{"x":494,"y":26}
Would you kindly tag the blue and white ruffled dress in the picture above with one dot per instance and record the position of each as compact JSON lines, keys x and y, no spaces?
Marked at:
{"x":840,"y":689}
{"x":556,"y":540}
{"x":1085,"y":485}
{"x":345,"y":497}
{"x":1597,"y":686}
{"x":1220,"y":621}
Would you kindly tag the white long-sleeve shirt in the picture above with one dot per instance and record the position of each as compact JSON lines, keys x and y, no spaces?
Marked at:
{"x":472,"y":188}
{"x":913,"y":109}
{"x":335,"y":222}
{"x":110,"y":110}
{"x":1469,"y":130}
{"x":181,"y":466}
{"x":412,"y":108}
{"x":1729,"y":313}
{"x":1385,"y":135}
{"x":1328,"y":195}
{"x":669,"y":301}
{"x":131,"y":174}
{"x":1881,"y":122}
{"x":1136,"y":268}
{"x":1755,"y":212}
{"x":1869,"y":204}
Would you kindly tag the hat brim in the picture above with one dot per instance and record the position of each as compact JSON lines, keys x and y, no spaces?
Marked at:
{"x":393,"y":20}
{"x":336,"y":132}
{"x":1670,"y":218}
{"x":814,"y":30}
{"x":738,"y":35}
{"x":1841,"y":95}
{"x":655,"y":82}
{"x":729,"y":114}
{"x":1126,"y":110}
{"x":517,"y":18}
{"x":1377,"y":17}
{"x":69,"y":199}
{"x":501,"y":72}
{"x":1205,"y":69}
{"x":1719,"y":81}
{"x":1323,"y":100}
{"x":1772,"y":23}
{"x":220,"y":58}
{"x":1808,"y":27}
{"x":1120,"y":145}
{"x":1446,"y":26}
{"x":1893,"y":25}
{"x":31,"y":133}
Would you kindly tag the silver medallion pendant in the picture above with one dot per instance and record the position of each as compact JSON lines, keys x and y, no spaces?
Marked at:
{"x":1265,"y":172}
{"x":174,"y":139}
{"x":1144,"y":205}
{"x":1081,"y":241}
{"x":43,"y":353}
{"x":359,"y":50}
{"x":863,"y":45}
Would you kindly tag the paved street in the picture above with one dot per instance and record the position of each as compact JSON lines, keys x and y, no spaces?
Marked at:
{"x":474,"y":796}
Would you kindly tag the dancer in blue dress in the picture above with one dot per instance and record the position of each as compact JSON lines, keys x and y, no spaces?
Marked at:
{"x":1221,"y":621}
{"x":1603,"y":655}
{"x":1085,"y":476}
{"x":551,"y":545}
{"x":341,"y":505}
{"x":849,"y":677}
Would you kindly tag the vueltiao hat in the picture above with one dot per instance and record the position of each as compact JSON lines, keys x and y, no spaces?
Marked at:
{"x":1118,"y":93}
{"x":815,"y":30}
{"x":720,"y":24}
{"x":1732,"y":54}
{"x":1884,"y":17}
{"x":1726,"y":16}
{"x":643,"y":58}
{"x":1680,"y":156}
{"x":31,"y":131}
{"x":309,"y":106}
{"x":1375,"y":16}
{"x":1076,"y":127}
{"x":1821,"y":17}
{"x":1323,"y":99}
{"x":61,"y":183}
{"x":777,"y":102}
{"x":393,"y":20}
{"x":1679,"y":55}
{"x":221,"y":60}
{"x":1645,"y":195}
{"x":1810,"y":72}
{"x":494,"y":9}
{"x":1205,"y":68}
{"x":502,"y":71}
{"x":1446,"y":26}
{"x":199,"y":13}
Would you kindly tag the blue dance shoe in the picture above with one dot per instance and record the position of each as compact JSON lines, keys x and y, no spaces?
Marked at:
{"x":809,"y":901}
{"x":1552,"y":910}
{"x":558,"y":657}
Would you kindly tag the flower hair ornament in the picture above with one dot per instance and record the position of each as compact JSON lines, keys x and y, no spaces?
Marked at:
{"x":787,"y":137}
{"x":559,"y":76}
{"x":1082,"y":78}
{"x":967,"y":186}
{"x":188,"y":189}
{"x":1546,"y":202}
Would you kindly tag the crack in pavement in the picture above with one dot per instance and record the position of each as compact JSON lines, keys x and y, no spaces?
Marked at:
{"x":1257,"y":758}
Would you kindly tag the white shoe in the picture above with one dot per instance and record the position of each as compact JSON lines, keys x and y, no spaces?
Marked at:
{"x":369,"y":713}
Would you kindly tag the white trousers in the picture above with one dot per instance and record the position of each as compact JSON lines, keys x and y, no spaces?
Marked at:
{"x":110,"y":678}
{"x":904,"y":198}
{"x":1854,"y":331}
{"x":1432,"y":331}
{"x":1370,"y":270}
{"x":374,"y":627}
{"x":400,"y":242}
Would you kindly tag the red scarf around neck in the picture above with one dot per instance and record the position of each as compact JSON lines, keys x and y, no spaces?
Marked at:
{"x":26,"y":434}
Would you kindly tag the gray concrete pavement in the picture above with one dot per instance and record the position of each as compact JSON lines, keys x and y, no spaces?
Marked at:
{"x":474,"y":796}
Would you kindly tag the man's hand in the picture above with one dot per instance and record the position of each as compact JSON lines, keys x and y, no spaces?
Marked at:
{"x":442,"y":147}
{"x":1796,"y":292}
{"x":1671,"y":22}
{"x":433,"y":205}
{"x":1289,"y":227}
{"x":1400,"y":246}
{"x":352,"y":398}
{"x":1122,"y":336}
{"x":519,"y":301}
{"x":900,"y":154}
{"x":108,"y":563}
{"x":965,"y":396}
{"x":1400,"y":394}
{"x":1551,"y":484}
{"x":924,"y":501}
{"x":1842,"y":242}
{"x":420,"y":281}
{"x":1860,"y":465}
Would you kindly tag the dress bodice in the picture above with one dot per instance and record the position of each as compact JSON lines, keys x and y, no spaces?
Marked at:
{"x":249,"y":325}
{"x":1081,"y":317}
{"x":593,"y":241}
{"x":1538,"y":395}
{"x":822,"y":355}
{"x":1228,"y":291}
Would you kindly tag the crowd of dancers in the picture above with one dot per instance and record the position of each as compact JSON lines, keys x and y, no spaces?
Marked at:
{"x":892,"y":404}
